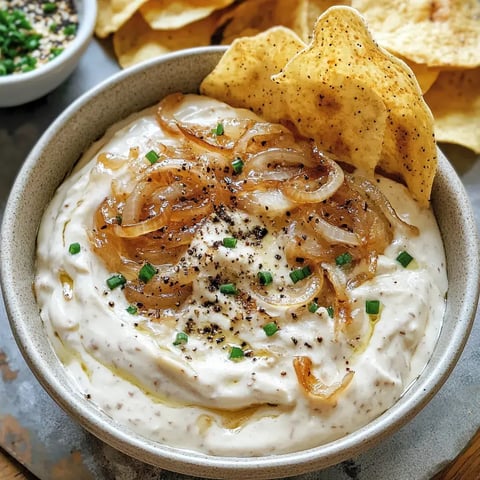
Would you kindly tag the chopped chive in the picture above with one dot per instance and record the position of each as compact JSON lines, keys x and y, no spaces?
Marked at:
{"x":147,"y":272}
{"x":228,"y":289}
{"x":344,"y":259}
{"x":265,"y":278}
{"x":132,"y":309}
{"x":55,"y":52}
{"x":152,"y":156}
{"x":313,"y":307}
{"x":306,"y":271}
{"x":296,"y":275}
{"x":116,"y":281}
{"x":236,"y":353}
{"x":49,"y":7}
{"x":53,"y":27}
{"x":372,"y":307}
{"x":237,"y":165}
{"x":74,"y":248}
{"x":404,"y":258}
{"x":270,"y":329}
{"x":300,"y":274}
{"x":119,"y":219}
{"x":70,"y":30}
{"x":330,"y":311}
{"x":32,"y":42}
{"x":218,"y":130}
{"x":229,"y":242}
{"x":180,"y":339}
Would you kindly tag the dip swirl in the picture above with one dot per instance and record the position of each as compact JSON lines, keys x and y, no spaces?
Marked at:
{"x":255,"y":319}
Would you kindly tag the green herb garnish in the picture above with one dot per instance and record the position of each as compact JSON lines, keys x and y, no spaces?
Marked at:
{"x":55,"y":52}
{"x":237,"y":165}
{"x":132,"y":309}
{"x":236,"y":353}
{"x":404,"y":258}
{"x":74,"y":248}
{"x":17,"y":40}
{"x":180,"y":339}
{"x":300,"y":274}
{"x":147,"y":272}
{"x":218,"y":130}
{"x":152,"y":156}
{"x":228,"y":289}
{"x":49,"y":7}
{"x":270,"y":329}
{"x":344,"y":259}
{"x":313,"y":307}
{"x":372,"y":307}
{"x":229,"y":242}
{"x":70,"y":30}
{"x":116,"y":281}
{"x":265,"y":278}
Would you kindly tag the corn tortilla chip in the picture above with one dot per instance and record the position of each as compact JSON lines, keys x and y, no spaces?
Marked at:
{"x":315,"y":8}
{"x":442,"y":33}
{"x":425,"y":75}
{"x":255,"y":16}
{"x":175,"y":14}
{"x":136,"y":41}
{"x":455,"y":102}
{"x":242,"y":78}
{"x":112,"y":14}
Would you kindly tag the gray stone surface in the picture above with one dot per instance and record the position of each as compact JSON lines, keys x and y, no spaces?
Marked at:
{"x":38,"y":433}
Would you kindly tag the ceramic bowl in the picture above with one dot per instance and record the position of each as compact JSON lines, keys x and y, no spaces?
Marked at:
{"x":17,"y":89}
{"x":49,"y":163}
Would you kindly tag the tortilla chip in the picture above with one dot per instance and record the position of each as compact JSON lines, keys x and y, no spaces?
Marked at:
{"x":455,"y":102}
{"x":112,"y":14}
{"x":175,"y":14}
{"x":442,"y":33}
{"x":315,"y":8}
{"x":255,"y":16}
{"x":425,"y":76}
{"x":136,"y":41}
{"x":353,"y":98}
{"x":242,"y":78}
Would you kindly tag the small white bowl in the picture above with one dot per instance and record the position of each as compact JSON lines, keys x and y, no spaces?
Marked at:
{"x":51,"y":160}
{"x":17,"y":89}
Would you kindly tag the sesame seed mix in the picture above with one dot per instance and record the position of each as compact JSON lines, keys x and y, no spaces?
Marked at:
{"x":34,"y":32}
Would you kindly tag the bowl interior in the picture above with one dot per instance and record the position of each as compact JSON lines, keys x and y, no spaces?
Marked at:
{"x":52,"y":159}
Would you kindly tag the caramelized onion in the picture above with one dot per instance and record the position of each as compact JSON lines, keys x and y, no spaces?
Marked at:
{"x":333,"y":233}
{"x":316,"y":390}
{"x":263,"y":135}
{"x":296,"y":187}
{"x":374,"y":194}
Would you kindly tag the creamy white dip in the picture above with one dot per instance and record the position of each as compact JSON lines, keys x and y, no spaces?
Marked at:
{"x":194,"y":396}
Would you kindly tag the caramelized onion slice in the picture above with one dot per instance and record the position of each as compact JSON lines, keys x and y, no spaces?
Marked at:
{"x":316,"y":390}
{"x":146,"y":226}
{"x":368,"y":189}
{"x":334,"y":234}
{"x":158,"y":301}
{"x":272,"y":133}
{"x":295,"y":188}
{"x":277,"y":164}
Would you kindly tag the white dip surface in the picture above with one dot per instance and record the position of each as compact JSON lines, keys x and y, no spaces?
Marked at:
{"x":193,"y":396}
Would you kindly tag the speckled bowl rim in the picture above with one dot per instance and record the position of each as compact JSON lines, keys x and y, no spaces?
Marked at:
{"x":87,"y":10}
{"x":449,"y":200}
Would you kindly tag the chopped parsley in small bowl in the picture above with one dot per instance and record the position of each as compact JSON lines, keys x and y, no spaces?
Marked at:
{"x":40,"y":45}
